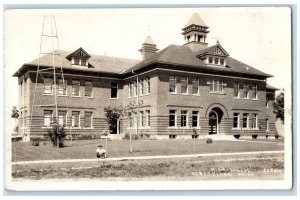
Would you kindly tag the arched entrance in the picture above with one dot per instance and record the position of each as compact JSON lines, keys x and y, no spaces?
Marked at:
{"x":215,"y":117}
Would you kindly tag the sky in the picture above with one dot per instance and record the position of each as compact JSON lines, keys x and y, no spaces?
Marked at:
{"x":259,"y":37}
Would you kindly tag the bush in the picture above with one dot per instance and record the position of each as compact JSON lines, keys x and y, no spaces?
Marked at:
{"x":36,"y":141}
{"x":56,"y":135}
{"x":209,"y":141}
{"x":254,"y":136}
{"x":237,"y":136}
{"x":86,"y":137}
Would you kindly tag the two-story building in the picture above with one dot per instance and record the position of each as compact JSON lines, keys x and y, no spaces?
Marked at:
{"x":184,"y":91}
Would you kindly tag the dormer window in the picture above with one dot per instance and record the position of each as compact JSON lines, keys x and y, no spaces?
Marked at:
{"x":215,"y":61}
{"x":214,"y":56}
{"x":79,"y":58}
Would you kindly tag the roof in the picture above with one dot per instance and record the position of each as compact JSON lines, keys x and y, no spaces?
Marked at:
{"x":196,"y":20}
{"x":270,"y":87}
{"x":174,"y":56}
{"x":97,"y":63}
{"x":184,"y":56}
{"x":149,"y":40}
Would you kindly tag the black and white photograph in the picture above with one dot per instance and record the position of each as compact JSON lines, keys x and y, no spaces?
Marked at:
{"x":148,"y":98}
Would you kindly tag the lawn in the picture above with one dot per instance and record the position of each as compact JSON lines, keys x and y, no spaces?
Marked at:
{"x":82,"y":149}
{"x":258,"y":167}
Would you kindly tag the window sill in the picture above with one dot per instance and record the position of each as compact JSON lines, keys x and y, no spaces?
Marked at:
{"x":196,"y":95}
{"x":89,"y":97}
{"x":185,"y":94}
{"x":62,"y":95}
{"x":113,"y":98}
{"x":255,"y":99}
{"x":246,"y":98}
{"x":173,"y":127}
{"x":215,"y":92}
{"x":238,"y":98}
{"x":47,"y":94}
{"x":76,"y":96}
{"x":173,"y":93}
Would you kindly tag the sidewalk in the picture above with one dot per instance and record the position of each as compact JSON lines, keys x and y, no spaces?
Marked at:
{"x":145,"y":157}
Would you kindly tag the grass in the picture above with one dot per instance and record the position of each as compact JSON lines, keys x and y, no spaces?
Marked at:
{"x":82,"y":149}
{"x":219,"y":167}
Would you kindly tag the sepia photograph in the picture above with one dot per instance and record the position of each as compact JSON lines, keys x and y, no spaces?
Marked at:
{"x":148,"y":98}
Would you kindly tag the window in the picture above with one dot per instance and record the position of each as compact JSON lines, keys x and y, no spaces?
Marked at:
{"x":83,"y":61}
{"x":195,"y":86}
{"x":130,"y":91}
{"x":184,"y":85}
{"x":148,"y":118}
{"x":75,"y":118}
{"x":254,"y":120}
{"x":114,"y":91}
{"x":246,"y":91}
{"x":267,"y":124}
{"x":62,"y":86}
{"x":184,"y":117}
{"x":62,"y":117}
{"x":88,"y":88}
{"x":267,"y":101}
{"x":75,"y":88}
{"x":25,"y":87}
{"x":216,"y":61}
{"x":236,"y":120}
{"x":236,"y":90}
{"x":47,"y":118}
{"x":141,"y":86}
{"x":141,"y":119}
{"x":134,"y":88}
{"x":76,"y":61}
{"x":222,"y":61}
{"x":195,"y":119}
{"x":148,"y":85}
{"x":245,"y":120}
{"x":210,"y":60}
{"x":216,"y":86}
{"x":88,"y":119}
{"x":172,"y":118}
{"x":134,"y":119}
{"x":254,"y":91}
{"x":172,"y":84}
{"x":130,"y":120}
{"x":47,"y":85}
{"x":25,"y":118}
{"x":21,"y":87}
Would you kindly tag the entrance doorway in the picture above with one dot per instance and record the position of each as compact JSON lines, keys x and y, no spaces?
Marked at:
{"x":114,"y":127}
{"x":213,"y":122}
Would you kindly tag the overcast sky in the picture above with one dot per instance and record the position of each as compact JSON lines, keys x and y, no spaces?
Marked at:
{"x":259,"y":37}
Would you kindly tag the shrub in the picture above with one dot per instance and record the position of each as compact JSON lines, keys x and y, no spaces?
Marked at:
{"x":209,"y":141}
{"x":237,"y":136}
{"x":86,"y":137}
{"x":56,"y":135}
{"x":254,"y":136}
{"x":36,"y":141}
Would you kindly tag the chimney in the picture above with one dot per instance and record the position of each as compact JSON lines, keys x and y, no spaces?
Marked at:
{"x":148,"y":48}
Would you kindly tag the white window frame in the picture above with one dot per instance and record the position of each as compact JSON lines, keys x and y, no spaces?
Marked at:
{"x":238,"y":90}
{"x":92,"y":94}
{"x":148,"y":123}
{"x":238,"y":121}
{"x":254,"y":116}
{"x":148,"y":85}
{"x":267,"y":125}
{"x":46,"y":87}
{"x":91,"y":125}
{"x":62,"y":82}
{"x":198,"y":118}
{"x":246,"y":88}
{"x":256,"y":94}
{"x":73,"y":88}
{"x":175,"y":118}
{"x":186,"y":115}
{"x":247,"y":122}
{"x":182,"y":79}
{"x":175,"y":89}
{"x":73,"y":119}
{"x":111,"y":87}
{"x":49,"y":116}
{"x":141,"y":87}
{"x":198,"y":86}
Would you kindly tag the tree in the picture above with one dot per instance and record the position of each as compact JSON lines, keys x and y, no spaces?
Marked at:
{"x":279,"y":106}
{"x":15,"y":114}
{"x":57,"y":135}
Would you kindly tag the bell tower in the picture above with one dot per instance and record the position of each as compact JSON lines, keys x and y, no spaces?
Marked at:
{"x":195,"y":33}
{"x":148,"y":48}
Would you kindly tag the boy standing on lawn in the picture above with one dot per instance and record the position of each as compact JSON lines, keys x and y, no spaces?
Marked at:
{"x":101,"y":153}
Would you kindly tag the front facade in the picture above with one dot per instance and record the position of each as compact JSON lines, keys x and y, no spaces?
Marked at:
{"x":186,"y":91}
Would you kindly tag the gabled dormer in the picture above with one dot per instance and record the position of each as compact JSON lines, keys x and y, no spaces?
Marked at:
{"x":79,"y":57}
{"x":214,"y":56}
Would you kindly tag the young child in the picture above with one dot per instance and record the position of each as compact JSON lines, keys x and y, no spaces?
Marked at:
{"x":101,"y":153}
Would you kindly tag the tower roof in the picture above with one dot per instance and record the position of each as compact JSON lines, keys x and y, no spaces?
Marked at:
{"x":149,"y":40}
{"x":196,"y":19}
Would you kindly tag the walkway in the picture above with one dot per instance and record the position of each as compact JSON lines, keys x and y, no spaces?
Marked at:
{"x":145,"y":157}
